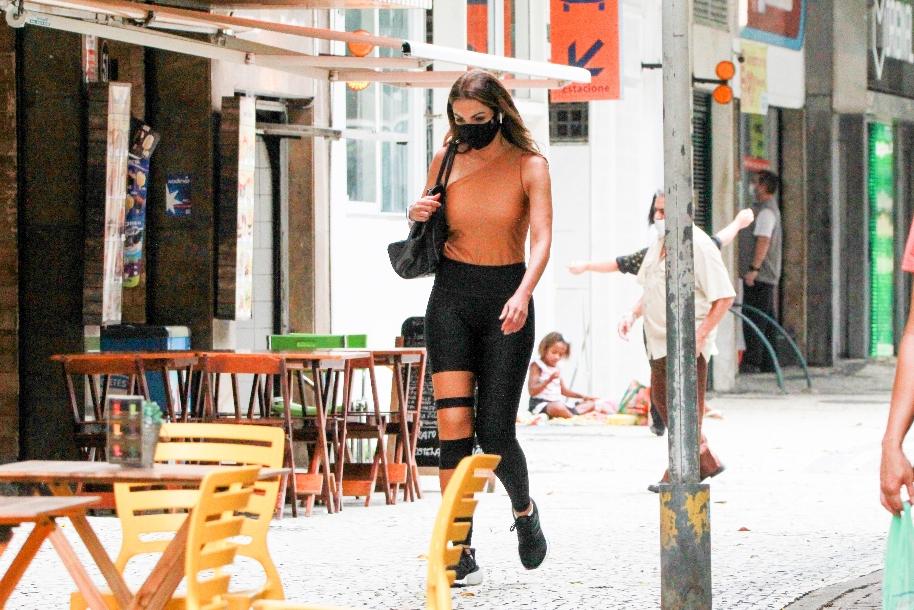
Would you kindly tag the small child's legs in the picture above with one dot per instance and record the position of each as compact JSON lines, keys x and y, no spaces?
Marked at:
{"x":559,"y":410}
{"x":585,"y":406}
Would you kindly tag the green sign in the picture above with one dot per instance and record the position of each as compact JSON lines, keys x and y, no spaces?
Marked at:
{"x":881,"y":190}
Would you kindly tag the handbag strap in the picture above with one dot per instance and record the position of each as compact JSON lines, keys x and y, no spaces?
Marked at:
{"x":447,"y":164}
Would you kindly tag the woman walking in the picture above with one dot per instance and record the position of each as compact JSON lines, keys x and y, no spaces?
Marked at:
{"x":479,"y":320}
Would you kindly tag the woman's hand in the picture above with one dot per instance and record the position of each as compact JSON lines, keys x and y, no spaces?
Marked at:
{"x":578,"y":267}
{"x":625,"y":325}
{"x":514,"y":313}
{"x":423,"y":209}
{"x":894,"y":473}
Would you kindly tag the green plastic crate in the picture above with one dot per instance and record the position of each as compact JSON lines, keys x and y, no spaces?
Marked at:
{"x":300,"y":341}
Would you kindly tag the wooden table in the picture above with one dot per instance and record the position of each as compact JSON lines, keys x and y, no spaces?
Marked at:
{"x":59,"y":476}
{"x":325,"y":366}
{"x":42,"y":511}
{"x":401,"y":360}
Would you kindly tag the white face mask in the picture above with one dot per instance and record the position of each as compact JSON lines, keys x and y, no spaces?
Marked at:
{"x":660,"y":228}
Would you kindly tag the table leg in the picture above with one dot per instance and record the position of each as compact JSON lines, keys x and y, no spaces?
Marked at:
{"x":90,"y":540}
{"x":169,"y":403}
{"x":323,"y":454}
{"x":22,"y":560}
{"x":89,"y":591}
{"x":417,"y":425}
{"x":167,"y":574}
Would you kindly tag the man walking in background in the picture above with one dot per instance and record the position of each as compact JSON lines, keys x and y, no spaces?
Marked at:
{"x":760,"y":251}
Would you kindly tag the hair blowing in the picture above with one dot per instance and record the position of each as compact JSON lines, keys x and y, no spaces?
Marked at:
{"x":483,"y":87}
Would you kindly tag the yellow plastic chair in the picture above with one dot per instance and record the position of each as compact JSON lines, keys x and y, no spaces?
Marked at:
{"x":217,"y":516}
{"x":150,"y":517}
{"x":471,"y":476}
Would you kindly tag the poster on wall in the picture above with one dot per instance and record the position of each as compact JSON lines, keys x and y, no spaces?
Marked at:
{"x":118,"y":133}
{"x":177,"y":195}
{"x":586,"y":35}
{"x":753,"y":78}
{"x":247,"y":159}
{"x":142,"y":142}
{"x":776,"y":22}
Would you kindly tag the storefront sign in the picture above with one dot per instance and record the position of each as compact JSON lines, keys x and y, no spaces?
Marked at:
{"x":235,"y":228}
{"x":90,"y":58}
{"x":754,"y":78}
{"x":881,"y":192}
{"x":585,"y":33}
{"x":891,"y":42}
{"x":247,"y":159}
{"x":776,"y":22}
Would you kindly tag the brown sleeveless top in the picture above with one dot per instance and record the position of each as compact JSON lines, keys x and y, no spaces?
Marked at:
{"x":488,"y":214}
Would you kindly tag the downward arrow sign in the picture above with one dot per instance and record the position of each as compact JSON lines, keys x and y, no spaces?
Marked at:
{"x":582,"y":62}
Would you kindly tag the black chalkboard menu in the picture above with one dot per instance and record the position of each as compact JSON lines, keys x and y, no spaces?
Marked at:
{"x":413,"y":333}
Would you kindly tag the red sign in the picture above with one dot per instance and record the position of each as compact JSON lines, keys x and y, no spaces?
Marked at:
{"x":778,"y":22}
{"x":585,"y":33}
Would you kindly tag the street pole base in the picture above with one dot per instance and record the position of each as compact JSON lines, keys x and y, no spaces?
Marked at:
{"x":685,"y":546}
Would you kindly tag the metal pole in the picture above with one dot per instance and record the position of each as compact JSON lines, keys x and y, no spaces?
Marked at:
{"x":685,"y":537}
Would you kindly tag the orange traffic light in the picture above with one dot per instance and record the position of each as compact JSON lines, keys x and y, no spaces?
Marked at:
{"x":725,"y":70}
{"x":722,"y":94}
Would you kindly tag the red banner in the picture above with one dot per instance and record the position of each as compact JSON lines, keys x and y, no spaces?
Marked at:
{"x":585,"y":33}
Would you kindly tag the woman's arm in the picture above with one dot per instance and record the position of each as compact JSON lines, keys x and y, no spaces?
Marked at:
{"x":895,"y":471}
{"x":571,"y":393}
{"x":538,"y":186}
{"x":579,"y":267}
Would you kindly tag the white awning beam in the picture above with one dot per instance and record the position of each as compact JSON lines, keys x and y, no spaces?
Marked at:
{"x":133,"y":22}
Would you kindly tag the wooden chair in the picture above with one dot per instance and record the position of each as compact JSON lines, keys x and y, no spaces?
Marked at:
{"x":98,"y":369}
{"x":265,"y":369}
{"x":451,"y":527}
{"x":42,"y":511}
{"x":216,"y":513}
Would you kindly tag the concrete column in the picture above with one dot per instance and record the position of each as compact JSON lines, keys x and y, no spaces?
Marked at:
{"x":855,"y":245}
{"x":820,"y":196}
{"x":794,"y":307}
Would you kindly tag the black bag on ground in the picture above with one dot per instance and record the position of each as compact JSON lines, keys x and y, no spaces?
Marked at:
{"x":419,"y":254}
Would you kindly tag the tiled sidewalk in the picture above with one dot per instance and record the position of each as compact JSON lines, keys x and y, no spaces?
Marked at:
{"x":796,"y":510}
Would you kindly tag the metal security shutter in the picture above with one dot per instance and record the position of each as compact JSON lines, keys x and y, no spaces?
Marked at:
{"x":701,"y":159}
{"x":712,"y":13}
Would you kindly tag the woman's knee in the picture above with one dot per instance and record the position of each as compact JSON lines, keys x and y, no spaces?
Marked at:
{"x":455,"y":423}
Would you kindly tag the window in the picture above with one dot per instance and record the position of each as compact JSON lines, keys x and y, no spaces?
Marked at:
{"x":500,"y":27}
{"x":379,"y":120}
{"x":568,"y":122}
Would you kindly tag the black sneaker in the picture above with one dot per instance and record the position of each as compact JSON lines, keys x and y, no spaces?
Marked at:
{"x":468,"y":572}
{"x":657,"y":425}
{"x":531,"y":543}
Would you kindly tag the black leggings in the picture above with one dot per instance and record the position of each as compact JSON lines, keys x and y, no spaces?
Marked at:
{"x":463,"y":333}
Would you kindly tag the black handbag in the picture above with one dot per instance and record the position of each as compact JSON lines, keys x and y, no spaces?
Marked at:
{"x":419,"y":254}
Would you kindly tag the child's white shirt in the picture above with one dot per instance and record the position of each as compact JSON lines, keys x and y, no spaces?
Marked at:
{"x":553,"y":390}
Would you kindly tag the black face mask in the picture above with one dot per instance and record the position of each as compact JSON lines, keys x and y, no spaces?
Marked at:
{"x":478,"y":135}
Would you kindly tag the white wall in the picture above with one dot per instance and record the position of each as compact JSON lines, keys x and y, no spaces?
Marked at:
{"x":602,"y":193}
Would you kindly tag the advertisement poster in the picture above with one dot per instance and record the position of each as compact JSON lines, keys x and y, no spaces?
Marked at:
{"x":177,"y":195}
{"x":135,"y":221}
{"x":777,"y":22}
{"x":754,"y":78}
{"x":247,"y":159}
{"x":881,"y":195}
{"x":115,"y":195}
{"x":142,"y":142}
{"x":586,"y":35}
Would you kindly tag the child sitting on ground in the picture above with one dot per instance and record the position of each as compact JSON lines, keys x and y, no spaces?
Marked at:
{"x":547,"y":390}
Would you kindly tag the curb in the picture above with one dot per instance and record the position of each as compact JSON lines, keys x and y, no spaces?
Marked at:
{"x":861,"y":593}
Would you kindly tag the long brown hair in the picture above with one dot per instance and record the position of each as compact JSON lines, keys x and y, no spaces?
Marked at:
{"x":483,"y":87}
